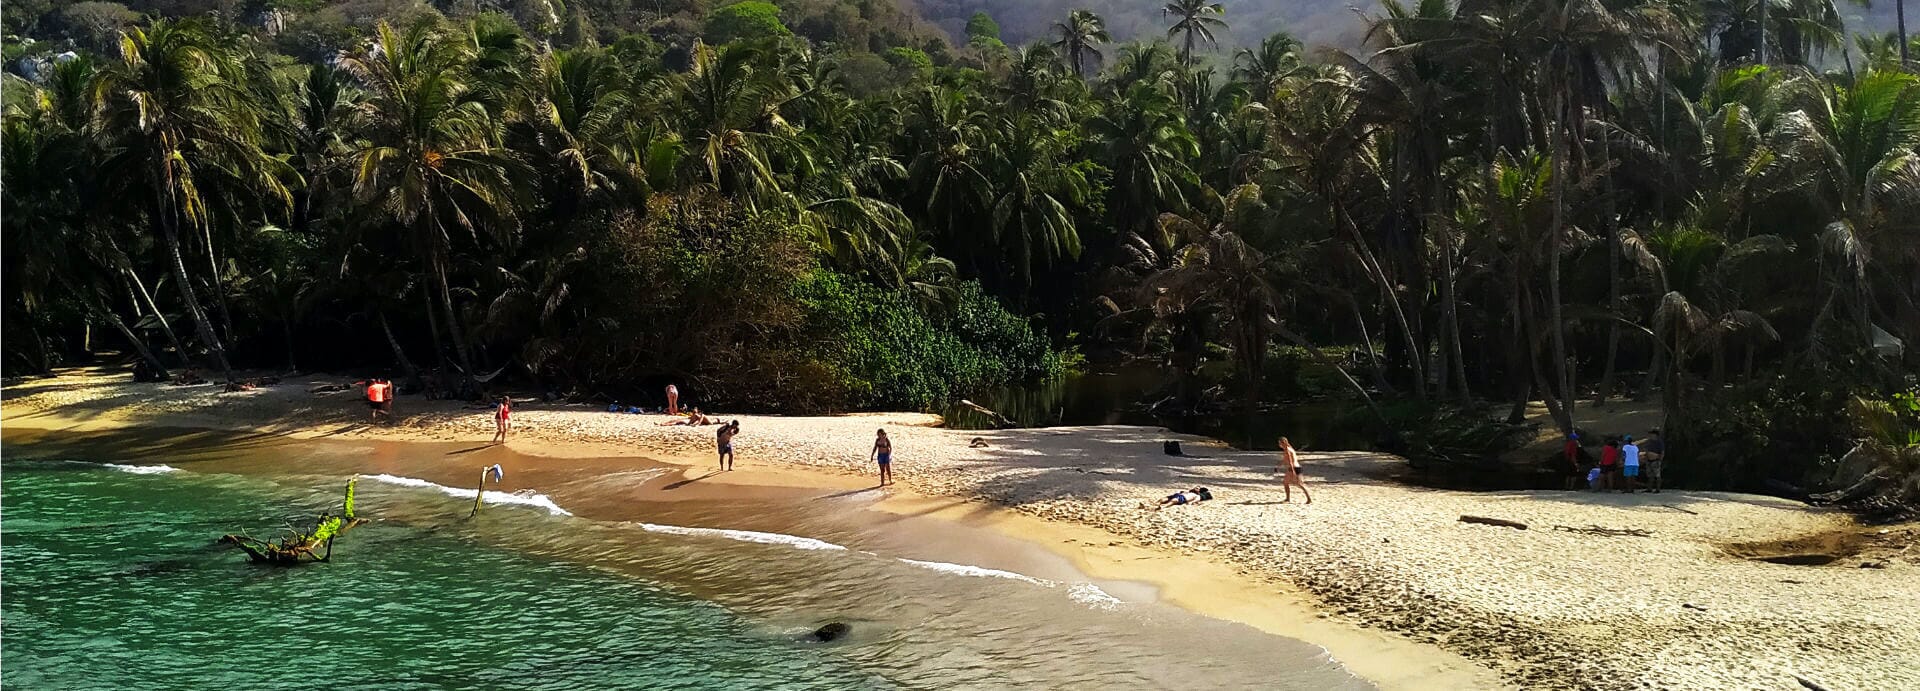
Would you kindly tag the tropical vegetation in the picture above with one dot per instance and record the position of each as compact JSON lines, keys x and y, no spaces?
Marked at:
{"x":1491,"y":203}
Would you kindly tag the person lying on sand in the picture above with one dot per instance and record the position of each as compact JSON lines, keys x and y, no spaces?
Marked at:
{"x":1191,"y":496}
{"x":693,"y":419}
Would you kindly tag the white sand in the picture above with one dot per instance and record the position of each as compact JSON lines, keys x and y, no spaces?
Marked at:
{"x":1546,"y":607}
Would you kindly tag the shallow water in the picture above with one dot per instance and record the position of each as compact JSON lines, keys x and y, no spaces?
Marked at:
{"x":111,"y":580}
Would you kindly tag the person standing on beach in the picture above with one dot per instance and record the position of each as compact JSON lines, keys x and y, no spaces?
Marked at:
{"x":673,"y":400}
{"x":1290,"y":467}
{"x":1572,"y":451}
{"x":883,"y":452}
{"x":723,"y":440}
{"x":380,"y":399}
{"x":502,"y":414}
{"x":1630,"y":464}
{"x":1652,"y":455}
{"x":1609,"y":464}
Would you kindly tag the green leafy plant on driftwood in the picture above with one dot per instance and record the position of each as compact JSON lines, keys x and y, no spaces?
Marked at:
{"x":1887,"y":447}
{"x":297,"y":547}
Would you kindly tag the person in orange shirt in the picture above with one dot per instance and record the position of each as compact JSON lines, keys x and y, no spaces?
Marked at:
{"x":380,"y":399}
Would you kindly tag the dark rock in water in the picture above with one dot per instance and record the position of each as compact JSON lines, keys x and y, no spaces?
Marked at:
{"x":833,"y":631}
{"x":159,"y":567}
{"x":1171,"y":447}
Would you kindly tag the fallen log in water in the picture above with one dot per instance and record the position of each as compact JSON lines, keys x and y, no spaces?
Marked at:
{"x":300,"y":547}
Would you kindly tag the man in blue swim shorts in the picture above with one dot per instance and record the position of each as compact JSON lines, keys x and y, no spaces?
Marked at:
{"x":724,"y":440}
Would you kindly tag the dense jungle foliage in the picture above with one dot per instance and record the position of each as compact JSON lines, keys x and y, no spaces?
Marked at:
{"x":823,"y":205}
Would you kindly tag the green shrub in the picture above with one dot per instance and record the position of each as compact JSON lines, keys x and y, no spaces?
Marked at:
{"x":981,"y":25}
{"x":886,"y":353}
{"x":745,"y":20}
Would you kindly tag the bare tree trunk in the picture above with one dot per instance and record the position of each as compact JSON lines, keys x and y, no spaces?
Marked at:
{"x":1450,"y":319}
{"x":139,"y":346}
{"x":1900,"y":27}
{"x":453,"y":324}
{"x":170,"y":236}
{"x":1613,"y":284}
{"x":399,"y":355}
{"x":1366,"y":341}
{"x":219,"y":285}
{"x":1367,"y":259}
{"x":146,"y":298}
{"x":1555,"y":243}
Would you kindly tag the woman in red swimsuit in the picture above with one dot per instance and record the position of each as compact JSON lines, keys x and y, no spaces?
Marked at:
{"x":501,"y":421}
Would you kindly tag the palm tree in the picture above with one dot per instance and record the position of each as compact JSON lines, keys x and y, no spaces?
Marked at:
{"x":727,"y":107}
{"x":1277,"y":58}
{"x":1033,"y":207}
{"x":1146,"y":144}
{"x":1196,"y":20}
{"x":177,"y":124}
{"x":1081,"y":36}
{"x":580,"y":112}
{"x":948,"y":176}
{"x":429,"y":160}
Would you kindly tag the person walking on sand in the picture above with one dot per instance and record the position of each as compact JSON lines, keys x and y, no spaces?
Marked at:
{"x":1290,"y":468}
{"x":1630,"y":464}
{"x":673,"y":400}
{"x":380,"y":399}
{"x":883,"y":452}
{"x":502,"y":419}
{"x":1653,"y":454}
{"x":723,"y":440}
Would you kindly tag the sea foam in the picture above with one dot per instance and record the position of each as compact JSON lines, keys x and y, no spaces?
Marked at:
{"x":970,"y":570}
{"x":744,"y":536}
{"x":143,"y":469}
{"x":1092,"y":596}
{"x":523,"y":498}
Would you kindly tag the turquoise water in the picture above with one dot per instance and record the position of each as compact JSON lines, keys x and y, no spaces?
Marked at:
{"x":112,"y":580}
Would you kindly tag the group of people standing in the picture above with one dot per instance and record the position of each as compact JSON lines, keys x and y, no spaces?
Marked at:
{"x":1625,"y":464}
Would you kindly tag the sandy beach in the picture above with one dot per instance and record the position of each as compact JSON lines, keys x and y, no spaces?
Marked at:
{"x":1382,"y":574}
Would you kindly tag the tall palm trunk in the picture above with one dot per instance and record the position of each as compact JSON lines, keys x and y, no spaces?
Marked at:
{"x":1613,"y":285}
{"x":146,"y":298}
{"x":170,"y":236}
{"x":1900,"y":27}
{"x":139,"y":346}
{"x":1366,"y":341}
{"x":1555,"y":243}
{"x":399,"y":355}
{"x":1367,"y":259}
{"x":452,"y":322}
{"x":219,"y":285}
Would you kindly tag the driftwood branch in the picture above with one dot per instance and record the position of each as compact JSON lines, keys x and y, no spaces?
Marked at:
{"x":1483,"y":520}
{"x":1602,"y":530}
{"x":998,"y":419}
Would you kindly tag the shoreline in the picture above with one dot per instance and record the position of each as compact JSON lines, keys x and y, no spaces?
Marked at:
{"x":1199,"y":584}
{"x":1374,"y":571}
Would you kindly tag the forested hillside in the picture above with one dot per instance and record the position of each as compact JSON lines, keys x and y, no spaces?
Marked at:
{"x":1333,"y":23}
{"x":832,"y":206}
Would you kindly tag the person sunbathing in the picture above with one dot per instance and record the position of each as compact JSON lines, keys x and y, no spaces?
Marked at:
{"x":693,"y":419}
{"x":1192,"y":496}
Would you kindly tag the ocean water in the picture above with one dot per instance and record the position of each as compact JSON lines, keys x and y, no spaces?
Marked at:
{"x":111,"y":579}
